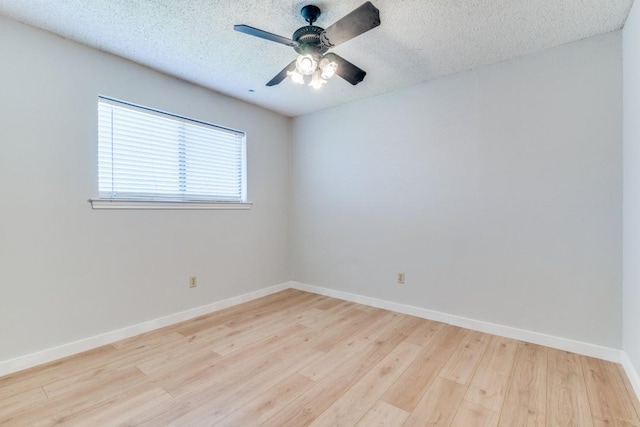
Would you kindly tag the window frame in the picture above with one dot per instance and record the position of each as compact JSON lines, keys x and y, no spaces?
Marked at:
{"x":149,"y":202}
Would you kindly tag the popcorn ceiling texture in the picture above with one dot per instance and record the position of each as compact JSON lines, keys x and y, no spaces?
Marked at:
{"x":418,"y":40}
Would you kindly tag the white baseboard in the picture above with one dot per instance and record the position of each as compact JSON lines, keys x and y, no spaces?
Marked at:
{"x":632,"y":374}
{"x":69,"y":349}
{"x":586,"y":349}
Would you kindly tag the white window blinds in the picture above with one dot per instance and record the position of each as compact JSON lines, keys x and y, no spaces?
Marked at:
{"x":148,"y":155}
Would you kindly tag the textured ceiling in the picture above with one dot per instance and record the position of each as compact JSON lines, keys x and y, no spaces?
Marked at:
{"x":418,"y":40}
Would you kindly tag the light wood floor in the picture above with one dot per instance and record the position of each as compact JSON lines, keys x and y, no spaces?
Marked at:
{"x":294,"y":359}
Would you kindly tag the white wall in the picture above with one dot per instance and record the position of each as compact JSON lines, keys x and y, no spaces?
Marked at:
{"x":631,"y":256}
{"x":497,"y":191}
{"x":69,"y":272}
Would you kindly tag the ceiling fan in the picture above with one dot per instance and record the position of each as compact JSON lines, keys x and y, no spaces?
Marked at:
{"x":314,"y":66}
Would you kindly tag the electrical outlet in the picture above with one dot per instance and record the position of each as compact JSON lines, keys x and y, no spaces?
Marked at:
{"x":193,"y":282}
{"x":400,"y":278}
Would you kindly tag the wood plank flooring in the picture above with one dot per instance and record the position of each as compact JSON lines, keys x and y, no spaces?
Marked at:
{"x":298,"y":359}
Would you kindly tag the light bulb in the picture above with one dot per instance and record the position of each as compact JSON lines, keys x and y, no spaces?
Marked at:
{"x":329,"y":71}
{"x":317,"y":81}
{"x":306,"y":65}
{"x":328,"y":68}
{"x":296,"y":77}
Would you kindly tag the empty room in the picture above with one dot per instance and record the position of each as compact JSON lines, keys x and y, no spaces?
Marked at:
{"x":335,"y":213}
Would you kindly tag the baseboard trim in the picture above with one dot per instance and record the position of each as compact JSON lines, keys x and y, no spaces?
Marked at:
{"x":49,"y":355}
{"x":631,"y":372}
{"x":565,"y":344}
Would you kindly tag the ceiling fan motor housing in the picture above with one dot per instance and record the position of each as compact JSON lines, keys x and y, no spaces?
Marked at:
{"x":309,"y":40}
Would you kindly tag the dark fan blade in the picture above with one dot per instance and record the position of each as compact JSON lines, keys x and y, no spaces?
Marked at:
{"x":282,"y":74}
{"x":357,"y":22}
{"x":346,"y":69}
{"x":265,"y":35}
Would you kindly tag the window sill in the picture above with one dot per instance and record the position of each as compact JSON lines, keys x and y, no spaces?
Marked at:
{"x":146,"y":204}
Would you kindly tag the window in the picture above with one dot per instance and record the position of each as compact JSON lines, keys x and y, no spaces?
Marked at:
{"x":147,"y":156}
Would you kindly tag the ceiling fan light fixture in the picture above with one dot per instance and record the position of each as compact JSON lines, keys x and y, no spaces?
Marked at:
{"x":317,"y":81}
{"x":328,"y":68}
{"x":296,"y":77}
{"x":306,"y":65}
